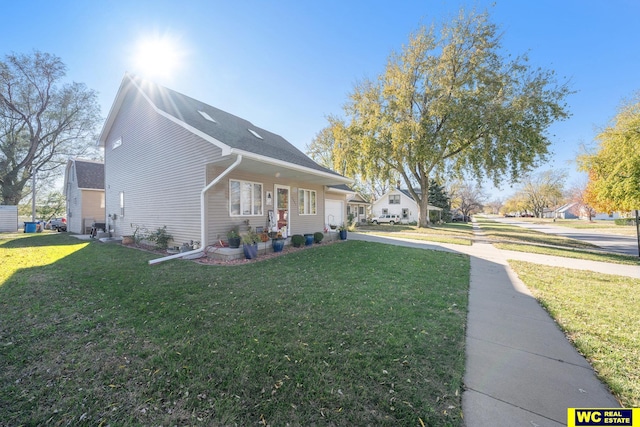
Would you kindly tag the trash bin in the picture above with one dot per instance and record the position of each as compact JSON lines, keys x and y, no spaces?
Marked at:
{"x":29,"y":227}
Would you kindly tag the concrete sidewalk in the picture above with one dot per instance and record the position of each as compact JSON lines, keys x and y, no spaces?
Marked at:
{"x":520,"y":368}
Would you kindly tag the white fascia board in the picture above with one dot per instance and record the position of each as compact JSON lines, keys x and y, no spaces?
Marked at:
{"x":281,"y":163}
{"x":337,"y":190}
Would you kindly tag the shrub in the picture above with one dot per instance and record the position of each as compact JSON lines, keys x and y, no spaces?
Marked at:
{"x":318,"y":236}
{"x":297,"y":240}
{"x":625,"y":221}
{"x":160,"y":237}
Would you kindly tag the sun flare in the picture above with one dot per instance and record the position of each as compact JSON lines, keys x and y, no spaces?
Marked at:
{"x":158,"y":57}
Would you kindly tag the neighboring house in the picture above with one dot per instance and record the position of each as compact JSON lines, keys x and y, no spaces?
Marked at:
{"x":84,"y":191}
{"x":398,"y":202}
{"x":566,"y":211}
{"x":600,"y":215}
{"x":356,"y":206}
{"x":171,"y":160}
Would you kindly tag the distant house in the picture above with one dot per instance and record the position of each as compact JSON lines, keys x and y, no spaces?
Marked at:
{"x":357,"y":206}
{"x":566,"y":211}
{"x":398,"y":202}
{"x":84,"y":191}
{"x":174,"y":161}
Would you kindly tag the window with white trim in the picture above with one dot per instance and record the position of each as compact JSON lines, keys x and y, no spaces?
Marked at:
{"x":394,"y":199}
{"x":306,"y":202}
{"x":245,"y":198}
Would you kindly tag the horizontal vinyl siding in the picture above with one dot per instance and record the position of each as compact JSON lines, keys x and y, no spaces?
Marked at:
{"x":220,"y":222}
{"x":74,"y":205}
{"x":161,"y":169}
{"x":93,"y":205}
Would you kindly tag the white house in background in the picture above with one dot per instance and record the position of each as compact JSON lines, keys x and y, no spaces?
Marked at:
{"x":398,"y":202}
{"x":84,"y":191}
{"x":174,"y":161}
{"x":566,"y":211}
{"x":601,"y":216}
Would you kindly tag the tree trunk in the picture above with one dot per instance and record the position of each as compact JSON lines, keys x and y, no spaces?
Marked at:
{"x":423,"y":206}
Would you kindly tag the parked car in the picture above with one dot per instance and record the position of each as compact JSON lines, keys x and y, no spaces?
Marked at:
{"x":58,"y":224}
{"x":387,"y":219}
{"x":460,"y":218}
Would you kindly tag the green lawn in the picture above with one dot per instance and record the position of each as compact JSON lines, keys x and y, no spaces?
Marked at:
{"x":454,"y":233}
{"x":600,"y":315}
{"x":350,"y":333}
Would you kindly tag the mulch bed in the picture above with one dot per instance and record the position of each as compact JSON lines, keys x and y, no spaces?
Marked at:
{"x":261,"y":257}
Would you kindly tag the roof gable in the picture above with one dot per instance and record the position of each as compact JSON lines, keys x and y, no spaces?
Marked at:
{"x":229,"y":132}
{"x":89,"y":175}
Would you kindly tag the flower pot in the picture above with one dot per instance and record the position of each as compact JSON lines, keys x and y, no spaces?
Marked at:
{"x":343,"y":234}
{"x":277,"y":244}
{"x":308,"y":239}
{"x":250,"y":251}
{"x":234,"y":242}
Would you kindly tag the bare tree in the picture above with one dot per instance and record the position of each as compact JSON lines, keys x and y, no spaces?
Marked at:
{"x":42,"y":123}
{"x":542,"y":190}
{"x":468,"y":198}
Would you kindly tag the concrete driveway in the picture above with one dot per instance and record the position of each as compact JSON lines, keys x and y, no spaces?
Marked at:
{"x":627,"y":245}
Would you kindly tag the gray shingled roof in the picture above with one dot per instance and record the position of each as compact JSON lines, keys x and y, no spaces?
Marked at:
{"x":90,"y":174}
{"x":228,"y":129}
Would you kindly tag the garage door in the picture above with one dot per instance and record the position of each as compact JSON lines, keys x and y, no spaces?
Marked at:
{"x":334,"y":212}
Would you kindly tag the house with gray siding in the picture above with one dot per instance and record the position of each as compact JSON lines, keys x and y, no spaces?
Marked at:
{"x":174,"y":161}
{"x":84,"y":192}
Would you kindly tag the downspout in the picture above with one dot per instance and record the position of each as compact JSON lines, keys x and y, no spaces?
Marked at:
{"x":203,"y":219}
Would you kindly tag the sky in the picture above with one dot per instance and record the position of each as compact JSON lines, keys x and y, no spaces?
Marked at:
{"x":286,"y":65}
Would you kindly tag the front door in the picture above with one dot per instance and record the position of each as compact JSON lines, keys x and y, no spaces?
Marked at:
{"x":282,"y":209}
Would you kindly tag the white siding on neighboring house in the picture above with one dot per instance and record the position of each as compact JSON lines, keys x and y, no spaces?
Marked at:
{"x":159,"y":167}
{"x":8,"y":219}
{"x":406,"y":207}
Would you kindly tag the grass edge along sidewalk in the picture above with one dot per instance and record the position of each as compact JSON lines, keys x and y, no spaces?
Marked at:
{"x":343,"y":334}
{"x":599,"y":314}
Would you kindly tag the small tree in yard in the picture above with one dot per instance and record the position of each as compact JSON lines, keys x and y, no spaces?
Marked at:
{"x":450,"y":102}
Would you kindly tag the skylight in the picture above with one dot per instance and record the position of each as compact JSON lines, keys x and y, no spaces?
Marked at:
{"x":206,"y":116}
{"x":254,"y":133}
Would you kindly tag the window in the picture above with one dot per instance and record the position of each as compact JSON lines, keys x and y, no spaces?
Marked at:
{"x":405,"y":213}
{"x":117,"y":143}
{"x":254,"y":133}
{"x":245,"y":198}
{"x":206,"y":116}
{"x":122,"y":203}
{"x":361,"y":210}
{"x":394,"y":199}
{"x":306,"y":202}
{"x":385,"y":211}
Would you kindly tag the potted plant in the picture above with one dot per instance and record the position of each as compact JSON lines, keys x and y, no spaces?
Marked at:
{"x":297,"y":240}
{"x":233,"y":237}
{"x":318,"y":236}
{"x":343,"y":231}
{"x":277,"y":243}
{"x":250,"y":244}
{"x":308,"y":239}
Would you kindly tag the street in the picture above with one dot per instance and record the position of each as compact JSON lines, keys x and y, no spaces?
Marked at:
{"x":627,"y":245}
